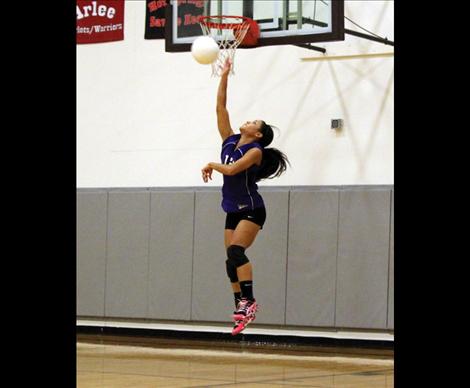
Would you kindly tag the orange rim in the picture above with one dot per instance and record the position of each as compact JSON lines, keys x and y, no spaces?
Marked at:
{"x":225,"y":26}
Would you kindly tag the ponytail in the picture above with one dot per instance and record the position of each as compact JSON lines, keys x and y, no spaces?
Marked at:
{"x":274,"y":162}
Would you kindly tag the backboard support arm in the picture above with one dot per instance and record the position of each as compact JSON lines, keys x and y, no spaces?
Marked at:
{"x":369,"y":37}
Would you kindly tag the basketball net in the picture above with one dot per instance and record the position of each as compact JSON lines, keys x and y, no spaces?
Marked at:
{"x":229,"y":32}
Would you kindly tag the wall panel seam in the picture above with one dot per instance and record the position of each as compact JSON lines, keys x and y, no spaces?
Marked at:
{"x":106,"y":254}
{"x":389,"y":257}
{"x":287,"y":256}
{"x":147,"y":313}
{"x":192,"y":258}
{"x":337,"y":254}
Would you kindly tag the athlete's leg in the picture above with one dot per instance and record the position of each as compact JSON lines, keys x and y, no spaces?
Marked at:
{"x":228,"y":237}
{"x":228,"y":234}
{"x":244,"y":235}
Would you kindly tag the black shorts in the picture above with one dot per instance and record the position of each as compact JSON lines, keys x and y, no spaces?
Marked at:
{"x":258,"y":216}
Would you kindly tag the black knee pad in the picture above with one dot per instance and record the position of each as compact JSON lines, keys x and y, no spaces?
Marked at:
{"x":231,"y":272}
{"x":236,"y":256}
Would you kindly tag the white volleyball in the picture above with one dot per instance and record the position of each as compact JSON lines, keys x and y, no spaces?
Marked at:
{"x":205,"y":50}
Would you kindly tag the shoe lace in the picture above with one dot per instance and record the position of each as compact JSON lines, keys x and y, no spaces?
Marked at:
{"x":243,"y":306}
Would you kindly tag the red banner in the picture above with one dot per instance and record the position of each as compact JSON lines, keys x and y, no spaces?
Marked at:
{"x":100,"y":21}
{"x":155,"y":19}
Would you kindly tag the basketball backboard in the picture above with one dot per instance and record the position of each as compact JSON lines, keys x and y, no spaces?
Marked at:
{"x":280,"y":21}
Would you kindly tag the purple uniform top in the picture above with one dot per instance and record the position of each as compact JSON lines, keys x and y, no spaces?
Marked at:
{"x":240,"y":191}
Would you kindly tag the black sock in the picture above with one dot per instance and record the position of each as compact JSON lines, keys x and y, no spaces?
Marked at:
{"x":237,"y":296}
{"x":246,"y":287}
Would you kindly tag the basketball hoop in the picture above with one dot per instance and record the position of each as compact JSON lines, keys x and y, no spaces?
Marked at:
{"x":229,"y":32}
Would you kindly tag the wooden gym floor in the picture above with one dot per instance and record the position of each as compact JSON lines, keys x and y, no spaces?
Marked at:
{"x":115,"y":362}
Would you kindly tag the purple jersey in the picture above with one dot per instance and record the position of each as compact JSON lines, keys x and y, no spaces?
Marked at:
{"x":240,"y":191}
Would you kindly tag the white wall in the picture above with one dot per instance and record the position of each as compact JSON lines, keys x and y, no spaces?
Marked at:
{"x":146,"y":118}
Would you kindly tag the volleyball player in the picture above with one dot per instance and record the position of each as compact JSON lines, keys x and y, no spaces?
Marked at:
{"x":245,"y":160}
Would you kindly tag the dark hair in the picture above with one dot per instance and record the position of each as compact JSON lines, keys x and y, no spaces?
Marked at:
{"x":274,"y":162}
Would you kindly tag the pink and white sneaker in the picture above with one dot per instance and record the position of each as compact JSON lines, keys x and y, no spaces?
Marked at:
{"x":244,"y":315}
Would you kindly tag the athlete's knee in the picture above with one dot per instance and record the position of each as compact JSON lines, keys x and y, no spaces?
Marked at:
{"x":231,"y":271}
{"x":236,"y":256}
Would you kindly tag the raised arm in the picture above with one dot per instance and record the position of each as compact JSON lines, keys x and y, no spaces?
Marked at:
{"x":223,"y":120}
